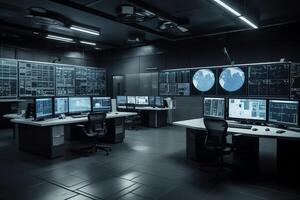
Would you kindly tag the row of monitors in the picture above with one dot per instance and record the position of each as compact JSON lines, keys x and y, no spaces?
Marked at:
{"x":154,"y":101}
{"x":280,"y":112}
{"x":46,"y":107}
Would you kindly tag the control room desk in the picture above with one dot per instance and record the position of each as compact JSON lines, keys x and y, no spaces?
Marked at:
{"x":47,"y":137}
{"x":152,"y":116}
{"x":270,"y":149}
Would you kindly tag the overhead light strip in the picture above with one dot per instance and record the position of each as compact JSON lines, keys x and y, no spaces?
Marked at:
{"x":236,"y":13}
{"x":63,"y":39}
{"x":88,"y":43}
{"x":84,"y":30}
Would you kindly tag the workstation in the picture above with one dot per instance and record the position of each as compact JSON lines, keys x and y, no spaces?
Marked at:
{"x":149,"y":99}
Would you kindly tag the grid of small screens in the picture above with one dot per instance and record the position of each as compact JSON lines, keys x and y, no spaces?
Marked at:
{"x":174,"y":83}
{"x":41,"y":79}
{"x":47,"y":107}
{"x":8,"y":78}
{"x":154,"y":101}
{"x":259,"y":80}
{"x":281,"y":112}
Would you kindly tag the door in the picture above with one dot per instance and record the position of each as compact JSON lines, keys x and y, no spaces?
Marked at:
{"x":118,"y":86}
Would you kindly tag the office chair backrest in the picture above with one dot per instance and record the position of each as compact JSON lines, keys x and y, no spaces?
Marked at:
{"x":216,"y":133}
{"x":96,"y":122}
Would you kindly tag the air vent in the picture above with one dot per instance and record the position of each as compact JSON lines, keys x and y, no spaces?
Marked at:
{"x":44,"y":17}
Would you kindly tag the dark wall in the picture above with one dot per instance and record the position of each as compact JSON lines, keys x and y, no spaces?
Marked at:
{"x":267,"y":44}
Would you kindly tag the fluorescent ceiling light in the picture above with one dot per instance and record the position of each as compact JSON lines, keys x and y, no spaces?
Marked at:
{"x":224,"y":5}
{"x":248,"y":22}
{"x":63,"y":39}
{"x":88,"y":43}
{"x":85,"y":30}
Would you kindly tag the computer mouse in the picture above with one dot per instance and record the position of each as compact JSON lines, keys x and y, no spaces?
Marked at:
{"x":254,"y":129}
{"x":267,"y":129}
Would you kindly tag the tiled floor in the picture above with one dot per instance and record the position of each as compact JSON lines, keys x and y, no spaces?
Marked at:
{"x":150,"y":164}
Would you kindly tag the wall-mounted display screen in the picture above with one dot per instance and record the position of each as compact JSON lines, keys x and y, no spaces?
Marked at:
{"x":8,"y":78}
{"x":232,"y":81}
{"x":174,"y":83}
{"x":65,"y":80}
{"x":203,"y":81}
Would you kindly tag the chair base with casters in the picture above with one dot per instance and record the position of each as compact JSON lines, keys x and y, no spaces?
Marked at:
{"x":96,"y":130}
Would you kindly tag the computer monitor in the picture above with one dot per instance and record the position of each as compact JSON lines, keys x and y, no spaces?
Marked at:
{"x":101,"y":104}
{"x":214,"y":107}
{"x":61,"y":105}
{"x":247,"y":109}
{"x":121,"y":100}
{"x":43,"y":108}
{"x":283,"y":112}
{"x":130,"y":99}
{"x":142,"y":100}
{"x":79,"y":104}
{"x":159,"y":101}
{"x":152,"y":101}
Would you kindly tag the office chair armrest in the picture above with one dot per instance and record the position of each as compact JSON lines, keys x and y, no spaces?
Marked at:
{"x":80,"y":125}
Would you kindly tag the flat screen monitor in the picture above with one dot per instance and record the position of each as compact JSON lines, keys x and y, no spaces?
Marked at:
{"x":61,"y":105}
{"x":159,"y":101}
{"x":101,"y":104}
{"x":43,"y":108}
{"x":79,"y":104}
{"x":247,"y":109}
{"x":142,"y":100}
{"x":152,"y":101}
{"x":283,"y":112}
{"x":121,"y":100}
{"x":214,"y":107}
{"x":130,"y":99}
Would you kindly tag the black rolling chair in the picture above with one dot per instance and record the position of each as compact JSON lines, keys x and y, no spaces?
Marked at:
{"x":96,"y":130}
{"x":132,"y":122}
{"x":216,"y":142}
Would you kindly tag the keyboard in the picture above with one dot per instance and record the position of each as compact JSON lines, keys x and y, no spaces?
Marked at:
{"x":79,"y":116}
{"x":242,"y":126}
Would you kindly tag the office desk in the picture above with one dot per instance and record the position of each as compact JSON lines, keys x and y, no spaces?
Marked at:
{"x":47,"y":137}
{"x":152,"y":116}
{"x":249,"y":143}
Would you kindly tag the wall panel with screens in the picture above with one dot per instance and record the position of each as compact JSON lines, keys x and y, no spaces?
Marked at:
{"x":8,"y":78}
{"x":174,"y":83}
{"x":36,"y":79}
{"x":232,"y":81}
{"x":90,"y":81}
{"x":295,"y":81}
{"x":65,"y":80}
{"x":203,"y":81}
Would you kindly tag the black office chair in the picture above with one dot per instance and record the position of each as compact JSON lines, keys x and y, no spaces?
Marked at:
{"x":216,"y":142}
{"x":132,"y":122}
{"x":96,"y":130}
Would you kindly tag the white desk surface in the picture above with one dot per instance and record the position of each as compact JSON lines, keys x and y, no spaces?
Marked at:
{"x":12,"y":116}
{"x":198,"y":124}
{"x":148,"y":108}
{"x":67,"y":120}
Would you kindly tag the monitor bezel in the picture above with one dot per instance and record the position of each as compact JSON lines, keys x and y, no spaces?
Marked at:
{"x":45,"y":116}
{"x":92,"y":106}
{"x":244,"y":119}
{"x":282,"y":123}
{"x":141,"y":104}
{"x":212,"y":117}
{"x":80,"y":111}
{"x":57,"y":114}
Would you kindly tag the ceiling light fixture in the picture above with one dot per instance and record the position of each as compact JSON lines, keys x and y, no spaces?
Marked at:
{"x":63,"y":39}
{"x":236,"y":13}
{"x":88,"y":43}
{"x":248,"y":22}
{"x":84,"y":30}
